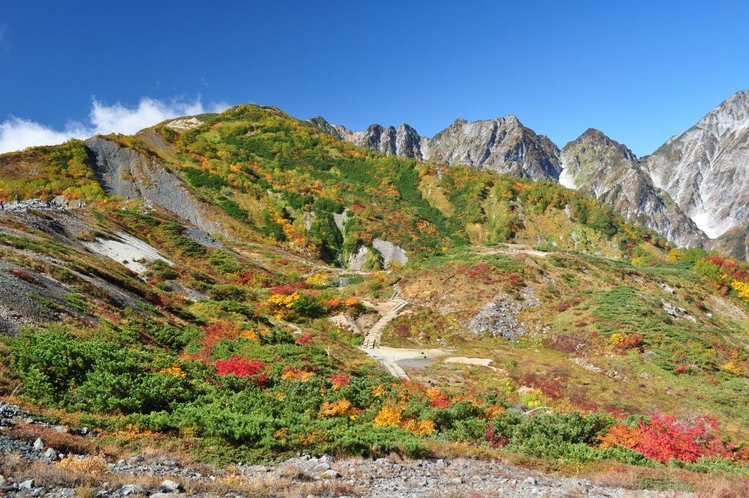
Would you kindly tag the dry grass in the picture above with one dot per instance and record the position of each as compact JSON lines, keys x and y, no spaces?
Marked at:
{"x":460,"y":450}
{"x":58,"y":439}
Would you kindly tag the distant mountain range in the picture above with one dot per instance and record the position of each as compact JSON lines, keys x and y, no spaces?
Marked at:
{"x":692,"y":189}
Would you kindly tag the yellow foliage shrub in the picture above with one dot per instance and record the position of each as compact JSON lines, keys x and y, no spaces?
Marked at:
{"x":284,"y":301}
{"x":742,"y":288}
{"x":378,"y":390}
{"x":389,"y":416}
{"x":173,"y":370}
{"x":338,"y":408}
{"x":736,"y":366}
{"x":420,"y":427}
{"x":616,"y":338}
{"x":318,"y":280}
{"x":674,"y":255}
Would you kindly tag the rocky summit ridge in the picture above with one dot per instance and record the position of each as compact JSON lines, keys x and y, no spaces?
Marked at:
{"x":704,"y":169}
{"x":691,"y":190}
{"x":600,"y":167}
{"x":502,"y":145}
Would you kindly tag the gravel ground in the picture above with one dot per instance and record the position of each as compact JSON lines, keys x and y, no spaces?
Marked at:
{"x":383,"y":477}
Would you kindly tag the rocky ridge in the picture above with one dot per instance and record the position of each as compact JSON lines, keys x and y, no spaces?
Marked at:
{"x":502,"y":145}
{"x":603,"y":168}
{"x":691,"y":189}
{"x":703,"y":169}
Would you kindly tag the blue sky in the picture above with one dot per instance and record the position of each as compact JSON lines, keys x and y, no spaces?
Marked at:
{"x":638,"y":71}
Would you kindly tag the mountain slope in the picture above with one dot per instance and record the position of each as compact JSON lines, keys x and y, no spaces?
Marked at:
{"x":704,"y":169}
{"x":600,"y":167}
{"x":691,"y":186}
{"x":240,"y":342}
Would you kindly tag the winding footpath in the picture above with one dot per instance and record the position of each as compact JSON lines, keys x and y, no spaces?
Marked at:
{"x":374,"y":336}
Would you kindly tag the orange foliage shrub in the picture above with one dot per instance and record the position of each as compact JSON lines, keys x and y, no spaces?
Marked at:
{"x":296,"y":374}
{"x":338,"y":408}
{"x":437,"y":399}
{"x":665,"y":437}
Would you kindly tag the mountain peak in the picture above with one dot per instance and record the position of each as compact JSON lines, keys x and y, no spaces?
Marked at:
{"x":593,"y":133}
{"x":703,"y":169}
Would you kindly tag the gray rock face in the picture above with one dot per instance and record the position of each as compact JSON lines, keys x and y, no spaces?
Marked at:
{"x":602,"y":168}
{"x":704,"y":169}
{"x":503,"y":145}
{"x":403,"y":142}
{"x":129,"y":173}
{"x":390,"y":253}
{"x":358,"y":258}
{"x":498,"y":319}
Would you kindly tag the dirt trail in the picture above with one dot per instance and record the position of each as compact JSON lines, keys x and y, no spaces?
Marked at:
{"x":375,"y":333}
{"x":514,"y":249}
{"x":390,"y":357}
{"x":373,"y":337}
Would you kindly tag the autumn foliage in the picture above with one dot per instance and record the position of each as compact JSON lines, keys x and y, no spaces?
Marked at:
{"x":664,"y":437}
{"x":239,"y":366}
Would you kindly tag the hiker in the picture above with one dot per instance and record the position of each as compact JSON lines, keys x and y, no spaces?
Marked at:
{"x":2,"y":205}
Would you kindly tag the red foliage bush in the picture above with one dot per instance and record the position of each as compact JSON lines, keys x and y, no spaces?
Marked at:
{"x":239,"y":366}
{"x":665,"y":437}
{"x":494,"y":440}
{"x":245,"y":278}
{"x":478,"y":270}
{"x":515,"y":280}
{"x":340,"y":380}
{"x":305,"y":339}
{"x":217,"y":332}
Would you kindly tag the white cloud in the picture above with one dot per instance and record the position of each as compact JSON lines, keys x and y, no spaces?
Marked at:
{"x":17,"y":133}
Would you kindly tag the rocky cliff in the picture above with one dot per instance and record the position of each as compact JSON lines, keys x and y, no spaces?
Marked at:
{"x":503,"y":145}
{"x":600,"y":167}
{"x":705,"y":169}
{"x":130,"y":173}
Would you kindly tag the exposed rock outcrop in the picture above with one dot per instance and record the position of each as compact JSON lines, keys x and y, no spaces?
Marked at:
{"x":129,"y":173}
{"x":600,"y":167}
{"x":390,"y":252}
{"x":503,"y":145}
{"x":704,"y":169}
